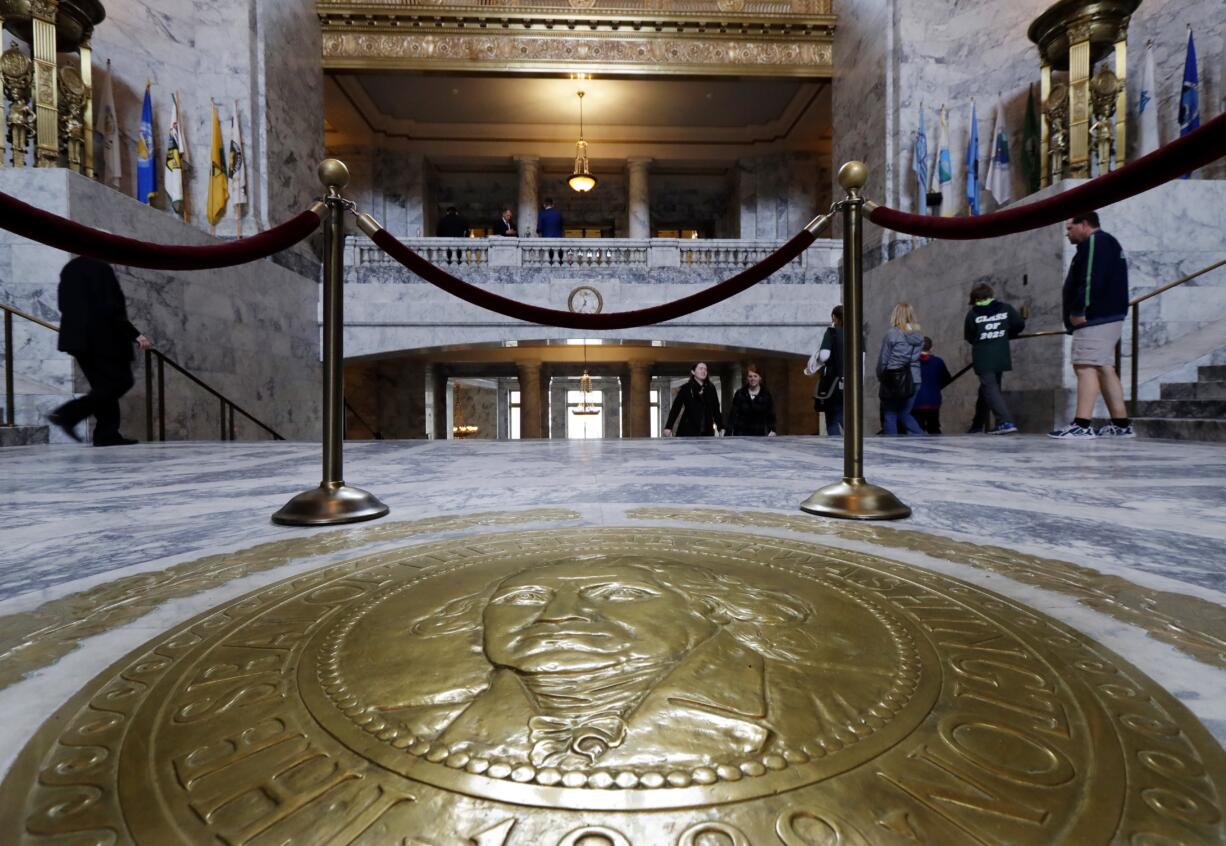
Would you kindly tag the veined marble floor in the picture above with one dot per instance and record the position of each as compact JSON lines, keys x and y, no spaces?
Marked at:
{"x":1121,"y":540}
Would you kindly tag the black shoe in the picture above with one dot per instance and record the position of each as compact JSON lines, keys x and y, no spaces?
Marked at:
{"x":118,"y":440}
{"x":55,"y":419}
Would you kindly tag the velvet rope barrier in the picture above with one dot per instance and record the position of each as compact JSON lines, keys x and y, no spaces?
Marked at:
{"x":1196,"y":149}
{"x":614,"y":320}
{"x":29,"y":222}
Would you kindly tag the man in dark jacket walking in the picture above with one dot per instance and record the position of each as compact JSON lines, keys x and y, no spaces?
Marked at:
{"x":1095,"y":305}
{"x":989,"y":326}
{"x":94,"y":329}
{"x":549,"y":221}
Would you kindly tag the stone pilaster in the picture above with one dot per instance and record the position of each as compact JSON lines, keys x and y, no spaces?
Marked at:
{"x":530,"y":403}
{"x":529,"y":194}
{"x":638,"y":200}
{"x":639,"y":400}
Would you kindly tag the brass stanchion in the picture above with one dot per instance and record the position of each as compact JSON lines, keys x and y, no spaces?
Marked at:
{"x":333,"y":501}
{"x":853,"y":498}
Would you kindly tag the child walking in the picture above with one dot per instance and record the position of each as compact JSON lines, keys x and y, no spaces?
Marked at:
{"x":989,"y":326}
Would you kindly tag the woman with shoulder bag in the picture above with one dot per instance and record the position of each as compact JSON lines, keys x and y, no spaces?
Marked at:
{"x":898,"y":370}
{"x":827,"y":362}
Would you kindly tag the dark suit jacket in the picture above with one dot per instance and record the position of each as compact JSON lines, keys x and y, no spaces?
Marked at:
{"x":93,"y":314}
{"x":501,"y":227}
{"x":549,"y":223}
{"x":452,"y":226}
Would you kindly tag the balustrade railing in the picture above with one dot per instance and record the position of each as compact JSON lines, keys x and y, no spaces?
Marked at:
{"x":591,"y":253}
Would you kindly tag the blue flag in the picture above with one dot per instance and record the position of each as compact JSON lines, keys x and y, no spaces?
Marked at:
{"x":919,"y":163}
{"x":1189,"y":99}
{"x":972,"y":165}
{"x":146,"y":173}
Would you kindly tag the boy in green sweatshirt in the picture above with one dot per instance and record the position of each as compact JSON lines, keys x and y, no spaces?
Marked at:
{"x":988,"y":327}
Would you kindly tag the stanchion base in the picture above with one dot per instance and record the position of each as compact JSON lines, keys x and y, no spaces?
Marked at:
{"x":330,"y":504}
{"x":855,"y":499}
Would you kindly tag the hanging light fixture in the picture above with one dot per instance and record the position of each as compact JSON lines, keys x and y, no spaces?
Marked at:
{"x":581,"y":180}
{"x":585,"y":408}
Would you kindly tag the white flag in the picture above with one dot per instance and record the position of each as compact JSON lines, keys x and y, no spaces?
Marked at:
{"x":1147,"y":107}
{"x":107,"y":125}
{"x":943,"y":170}
{"x":238,"y":163}
{"x":176,"y":160}
{"x":999,"y":181}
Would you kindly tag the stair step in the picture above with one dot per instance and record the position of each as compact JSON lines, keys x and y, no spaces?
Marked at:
{"x":23,"y":435}
{"x":1211,"y":431}
{"x":1193,"y":391}
{"x":1183,"y":409}
{"x":1211,"y":373}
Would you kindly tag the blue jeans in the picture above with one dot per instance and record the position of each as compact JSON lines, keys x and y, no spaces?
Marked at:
{"x":900,"y":411}
{"x":834,"y":414}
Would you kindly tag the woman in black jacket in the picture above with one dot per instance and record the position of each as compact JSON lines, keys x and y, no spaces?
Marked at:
{"x":753,"y":408}
{"x":697,"y":404}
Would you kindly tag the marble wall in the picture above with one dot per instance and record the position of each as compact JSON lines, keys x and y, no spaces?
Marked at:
{"x":778,"y":193}
{"x":262,"y":54}
{"x":1166,"y":233}
{"x":894,"y":57}
{"x":250,"y":331}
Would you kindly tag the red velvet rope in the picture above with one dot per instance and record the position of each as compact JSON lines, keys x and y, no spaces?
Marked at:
{"x":614,"y":320}
{"x":1196,"y":149}
{"x":68,"y":235}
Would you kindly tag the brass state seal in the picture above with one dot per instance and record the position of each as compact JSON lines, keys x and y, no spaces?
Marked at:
{"x":619,"y":687}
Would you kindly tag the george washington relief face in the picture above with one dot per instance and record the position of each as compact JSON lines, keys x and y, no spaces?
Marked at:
{"x":576,"y":617}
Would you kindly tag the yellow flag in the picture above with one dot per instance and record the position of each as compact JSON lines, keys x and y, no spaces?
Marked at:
{"x":219,"y":187}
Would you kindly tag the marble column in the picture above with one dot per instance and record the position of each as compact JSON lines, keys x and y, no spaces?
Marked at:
{"x":529,"y":194}
{"x":530,"y":399}
{"x":639,"y":400}
{"x":638,"y":201}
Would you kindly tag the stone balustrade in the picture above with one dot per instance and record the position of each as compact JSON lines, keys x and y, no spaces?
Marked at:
{"x":701,"y":255}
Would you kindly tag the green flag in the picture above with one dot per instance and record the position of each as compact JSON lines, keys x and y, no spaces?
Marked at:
{"x":1030,"y":144}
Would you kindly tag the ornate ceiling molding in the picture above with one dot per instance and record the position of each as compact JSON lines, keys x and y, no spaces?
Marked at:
{"x":671,"y":37}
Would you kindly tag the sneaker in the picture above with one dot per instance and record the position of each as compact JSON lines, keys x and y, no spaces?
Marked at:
{"x":1113,"y":431}
{"x":56,"y":420}
{"x":1073,"y":432}
{"x":1005,"y":428}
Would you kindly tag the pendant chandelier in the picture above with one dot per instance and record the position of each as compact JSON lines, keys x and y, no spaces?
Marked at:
{"x":585,"y":408}
{"x":581,"y":180}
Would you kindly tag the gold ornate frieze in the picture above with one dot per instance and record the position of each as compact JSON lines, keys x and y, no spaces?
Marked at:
{"x":722,"y":37}
{"x":622,"y":687}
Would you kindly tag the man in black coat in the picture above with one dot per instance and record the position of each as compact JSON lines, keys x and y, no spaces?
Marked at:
{"x":94,"y":329}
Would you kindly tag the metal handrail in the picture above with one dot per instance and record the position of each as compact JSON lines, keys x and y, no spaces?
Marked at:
{"x":227,"y":406}
{"x":1134,"y":304}
{"x":378,"y":436}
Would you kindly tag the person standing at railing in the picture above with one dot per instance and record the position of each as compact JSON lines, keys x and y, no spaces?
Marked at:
{"x":898,"y":370}
{"x":753,"y":407}
{"x":95,"y":330}
{"x":988,"y":327}
{"x":695,"y":409}
{"x":549,"y":221}
{"x":1095,"y":305}
{"x":505,"y":226}
{"x":828,"y":361}
{"x":452,"y":225}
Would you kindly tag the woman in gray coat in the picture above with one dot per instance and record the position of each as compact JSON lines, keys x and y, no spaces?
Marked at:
{"x":900,"y":355}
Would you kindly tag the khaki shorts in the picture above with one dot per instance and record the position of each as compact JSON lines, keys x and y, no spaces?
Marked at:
{"x":1096,"y":344}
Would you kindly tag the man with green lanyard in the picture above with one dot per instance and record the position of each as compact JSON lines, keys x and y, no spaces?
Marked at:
{"x":1095,"y":305}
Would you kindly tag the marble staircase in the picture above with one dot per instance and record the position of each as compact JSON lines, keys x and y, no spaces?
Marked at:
{"x":1187,"y":411}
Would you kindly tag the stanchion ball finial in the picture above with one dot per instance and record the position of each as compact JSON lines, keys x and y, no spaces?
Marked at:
{"x":333,"y":173}
{"x":853,"y":175}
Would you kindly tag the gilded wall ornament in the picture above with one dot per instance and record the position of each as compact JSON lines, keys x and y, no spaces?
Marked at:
{"x":18,"y":71}
{"x":636,"y":687}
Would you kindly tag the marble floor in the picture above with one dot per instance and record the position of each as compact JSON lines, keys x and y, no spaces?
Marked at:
{"x":104,"y":548}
